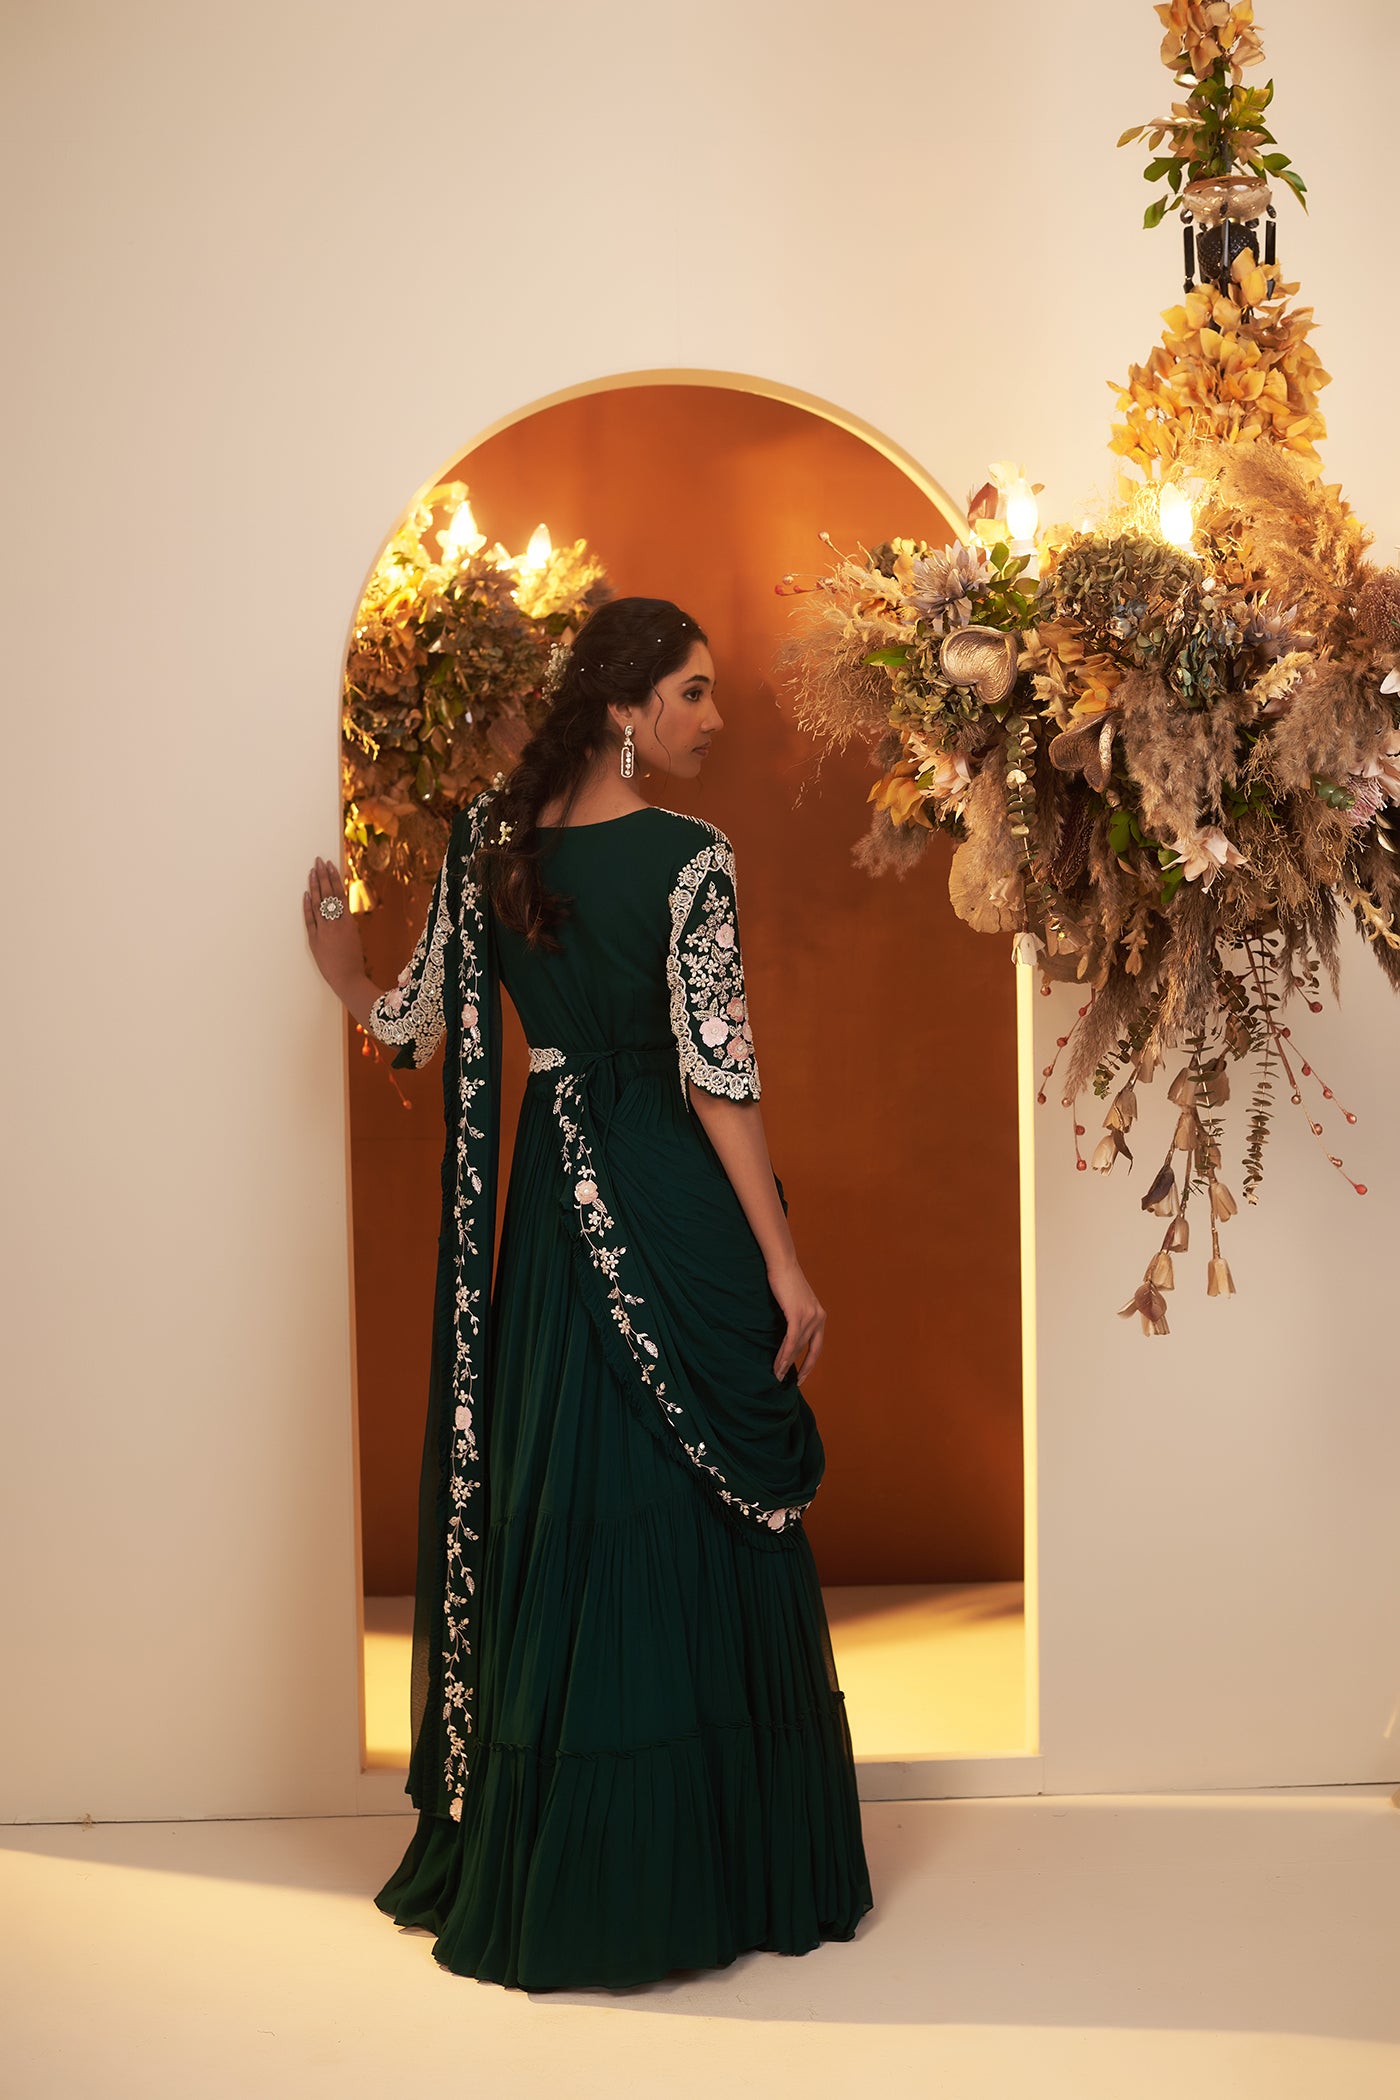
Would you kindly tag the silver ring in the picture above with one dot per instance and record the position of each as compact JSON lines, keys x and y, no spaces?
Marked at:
{"x":331,"y":908}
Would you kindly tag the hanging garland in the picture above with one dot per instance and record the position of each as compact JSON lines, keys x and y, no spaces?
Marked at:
{"x":1167,"y":745}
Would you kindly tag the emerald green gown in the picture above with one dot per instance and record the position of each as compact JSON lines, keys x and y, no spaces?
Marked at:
{"x":630,"y":1749}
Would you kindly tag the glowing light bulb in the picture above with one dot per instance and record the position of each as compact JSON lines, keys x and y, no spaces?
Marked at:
{"x":1175,"y":520}
{"x":536,"y":555}
{"x":461,"y":536}
{"x":1022,"y":512}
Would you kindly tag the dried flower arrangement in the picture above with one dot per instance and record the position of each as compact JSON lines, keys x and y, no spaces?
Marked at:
{"x":1219,"y":124}
{"x":1169,"y":760}
{"x":1166,"y":772}
{"x":444,"y":677}
{"x":1235,"y":360}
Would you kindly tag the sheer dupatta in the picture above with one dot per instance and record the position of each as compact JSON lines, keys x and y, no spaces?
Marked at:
{"x":449,"y":992}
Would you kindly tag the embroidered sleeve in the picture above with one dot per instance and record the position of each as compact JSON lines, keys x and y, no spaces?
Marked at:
{"x":410,"y":1014}
{"x":705,"y":971}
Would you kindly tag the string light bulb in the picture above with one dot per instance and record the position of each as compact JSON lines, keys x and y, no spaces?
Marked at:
{"x":1022,"y":514}
{"x":461,"y":537}
{"x":1175,"y":519}
{"x":536,"y":555}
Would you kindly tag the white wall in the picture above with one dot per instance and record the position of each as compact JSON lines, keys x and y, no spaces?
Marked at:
{"x":276,"y":264}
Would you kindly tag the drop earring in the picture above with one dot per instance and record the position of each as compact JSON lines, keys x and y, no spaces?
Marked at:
{"x":627,"y":760}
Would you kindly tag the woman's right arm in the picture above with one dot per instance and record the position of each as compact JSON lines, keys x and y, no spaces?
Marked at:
{"x":335,"y":943}
{"x":409,"y":1015}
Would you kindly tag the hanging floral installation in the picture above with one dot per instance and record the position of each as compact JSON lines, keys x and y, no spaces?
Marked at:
{"x":1235,"y":360}
{"x":443,"y":679}
{"x":1166,"y":745}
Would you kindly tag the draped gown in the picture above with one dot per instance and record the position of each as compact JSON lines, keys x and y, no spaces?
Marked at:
{"x":630,"y":1747}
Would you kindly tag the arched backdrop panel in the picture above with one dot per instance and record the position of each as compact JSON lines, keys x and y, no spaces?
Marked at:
{"x":885,"y":1028}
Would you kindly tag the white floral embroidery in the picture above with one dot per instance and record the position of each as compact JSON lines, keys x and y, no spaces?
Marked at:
{"x":705,"y":972}
{"x":545,"y":1060}
{"x":608,"y":1256}
{"x":472,"y":1234}
{"x":412,"y":1011}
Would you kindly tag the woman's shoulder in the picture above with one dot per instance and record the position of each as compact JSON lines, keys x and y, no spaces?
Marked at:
{"x":468,"y":822}
{"x":690,"y":838}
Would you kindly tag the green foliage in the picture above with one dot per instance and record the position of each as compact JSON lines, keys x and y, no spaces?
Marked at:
{"x":1223,"y":130}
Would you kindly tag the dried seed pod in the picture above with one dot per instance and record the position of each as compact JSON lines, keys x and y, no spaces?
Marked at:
{"x":1161,"y":1197}
{"x":1122,"y":1110}
{"x":983,"y":658}
{"x":1182,"y":1091}
{"x":1150,"y":1306}
{"x":1188,"y":1131}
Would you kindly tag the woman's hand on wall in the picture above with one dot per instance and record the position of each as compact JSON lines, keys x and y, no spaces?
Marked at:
{"x":335,"y":943}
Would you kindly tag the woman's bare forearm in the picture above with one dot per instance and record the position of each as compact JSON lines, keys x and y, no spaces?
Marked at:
{"x":359,"y":995}
{"x":735,"y":1129}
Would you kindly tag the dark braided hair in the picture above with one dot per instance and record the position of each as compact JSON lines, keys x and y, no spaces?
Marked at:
{"x":619,"y":653}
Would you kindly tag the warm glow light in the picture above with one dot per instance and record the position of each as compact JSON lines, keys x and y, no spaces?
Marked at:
{"x":1175,"y":520}
{"x":1022,"y":512}
{"x":461,"y":536}
{"x":536,"y":555}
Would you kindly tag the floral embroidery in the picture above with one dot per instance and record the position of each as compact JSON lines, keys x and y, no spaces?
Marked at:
{"x":627,"y":1307}
{"x":705,"y":971}
{"x":412,"y":1011}
{"x":473,"y":1242}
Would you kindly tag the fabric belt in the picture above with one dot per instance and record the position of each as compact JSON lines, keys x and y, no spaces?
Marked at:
{"x":603,"y":1073}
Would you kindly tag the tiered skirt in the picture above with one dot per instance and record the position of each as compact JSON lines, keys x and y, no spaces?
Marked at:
{"x":662,"y":1775}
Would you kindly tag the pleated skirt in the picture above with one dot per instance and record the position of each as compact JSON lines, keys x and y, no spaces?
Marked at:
{"x":662,"y":1775}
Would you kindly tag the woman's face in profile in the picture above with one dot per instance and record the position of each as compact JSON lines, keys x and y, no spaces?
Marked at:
{"x":672,"y":730}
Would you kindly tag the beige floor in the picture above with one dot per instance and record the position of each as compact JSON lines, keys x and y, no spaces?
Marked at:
{"x":1114,"y":1949}
{"x":928,"y":1670}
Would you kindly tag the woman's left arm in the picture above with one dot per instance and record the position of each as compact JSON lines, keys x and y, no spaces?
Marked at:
{"x":735,"y":1129}
{"x":710,"y":1020}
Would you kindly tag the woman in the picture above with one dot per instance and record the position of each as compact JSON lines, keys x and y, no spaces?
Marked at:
{"x":630,"y":1749}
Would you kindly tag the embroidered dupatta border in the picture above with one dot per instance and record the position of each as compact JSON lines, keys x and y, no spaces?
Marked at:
{"x":474,"y":1030}
{"x":621,"y":1308}
{"x":451,"y":987}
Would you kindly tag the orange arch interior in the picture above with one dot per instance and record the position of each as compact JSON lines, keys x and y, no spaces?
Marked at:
{"x":886,"y":1030}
